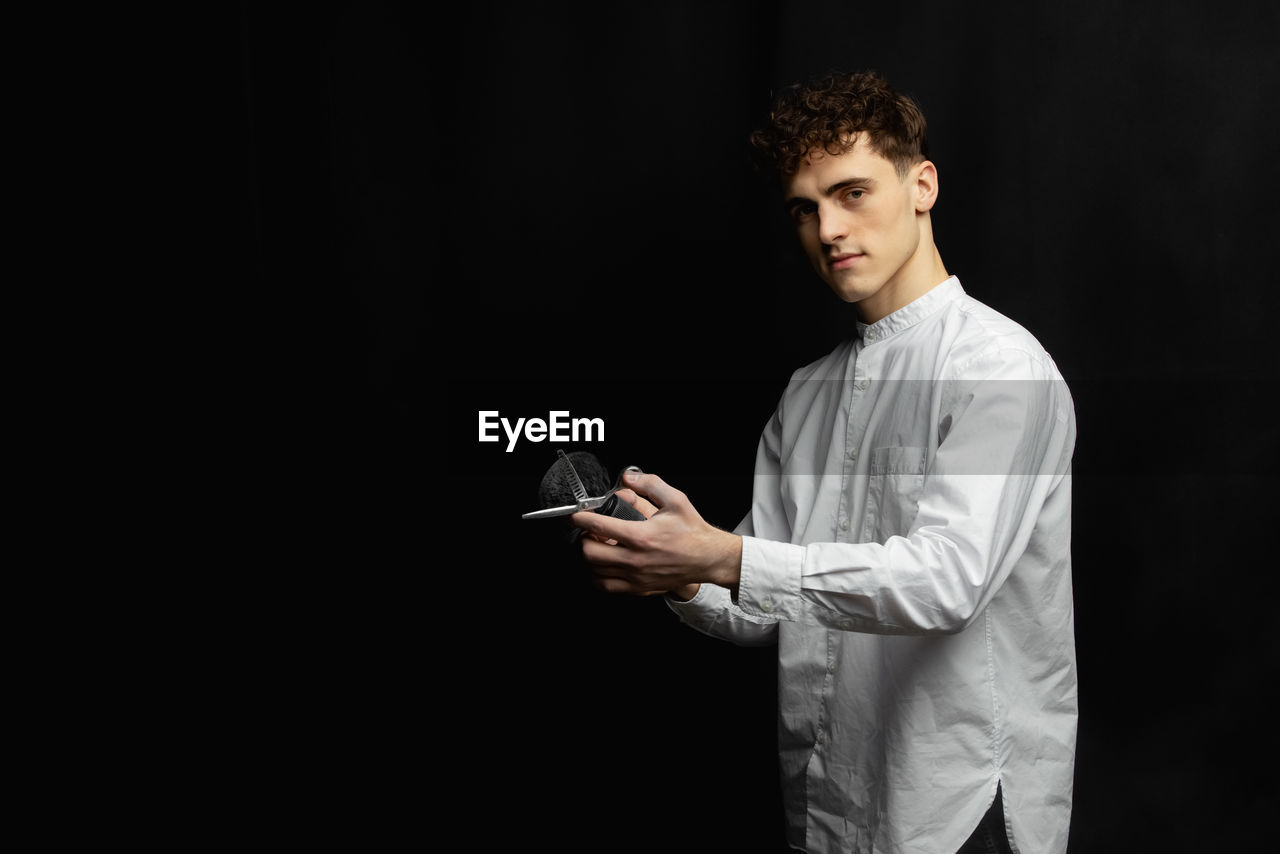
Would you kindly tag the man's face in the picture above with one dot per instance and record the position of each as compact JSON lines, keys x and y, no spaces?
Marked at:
{"x":860,"y":224}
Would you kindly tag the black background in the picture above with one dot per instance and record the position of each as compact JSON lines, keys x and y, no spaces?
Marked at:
{"x":536,"y":207}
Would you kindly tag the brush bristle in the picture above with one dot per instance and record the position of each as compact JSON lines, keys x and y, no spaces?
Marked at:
{"x":556,"y":488}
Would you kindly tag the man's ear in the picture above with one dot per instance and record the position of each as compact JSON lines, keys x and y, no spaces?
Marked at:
{"x":925,"y":185}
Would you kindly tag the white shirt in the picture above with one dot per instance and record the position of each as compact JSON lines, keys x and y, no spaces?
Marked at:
{"x":908,"y":549}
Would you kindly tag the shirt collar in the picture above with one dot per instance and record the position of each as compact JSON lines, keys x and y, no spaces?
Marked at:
{"x":913,"y":312}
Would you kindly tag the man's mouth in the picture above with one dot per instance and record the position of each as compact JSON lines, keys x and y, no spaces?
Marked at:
{"x":844,"y":260}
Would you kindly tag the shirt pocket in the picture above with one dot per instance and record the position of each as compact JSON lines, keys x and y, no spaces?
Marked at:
{"x":893,"y":492}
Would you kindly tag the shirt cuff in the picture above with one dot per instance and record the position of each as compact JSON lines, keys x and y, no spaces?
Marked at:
{"x":770,"y":582}
{"x":702,"y":610}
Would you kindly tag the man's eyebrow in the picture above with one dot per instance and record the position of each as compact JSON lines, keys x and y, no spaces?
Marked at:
{"x":833,"y":189}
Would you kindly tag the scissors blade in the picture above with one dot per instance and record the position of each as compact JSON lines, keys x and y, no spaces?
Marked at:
{"x":549,"y":512}
{"x":575,"y":482}
{"x":567,"y":509}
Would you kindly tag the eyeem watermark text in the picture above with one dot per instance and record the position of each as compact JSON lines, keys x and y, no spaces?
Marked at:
{"x":558,"y":427}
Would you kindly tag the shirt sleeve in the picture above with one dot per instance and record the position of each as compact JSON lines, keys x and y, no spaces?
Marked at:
{"x":1009,"y":433}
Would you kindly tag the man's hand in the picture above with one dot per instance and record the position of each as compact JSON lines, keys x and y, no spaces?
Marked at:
{"x":674,"y":551}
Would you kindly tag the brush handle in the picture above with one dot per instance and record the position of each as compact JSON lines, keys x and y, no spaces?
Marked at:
{"x":619,"y":509}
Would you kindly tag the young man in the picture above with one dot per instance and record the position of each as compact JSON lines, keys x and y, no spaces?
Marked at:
{"x":908,"y":543}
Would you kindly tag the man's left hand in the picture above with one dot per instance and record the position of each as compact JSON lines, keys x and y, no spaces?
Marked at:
{"x":671,"y":551}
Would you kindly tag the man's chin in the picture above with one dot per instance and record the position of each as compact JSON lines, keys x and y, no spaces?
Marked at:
{"x":851,"y":293}
{"x":851,"y":288}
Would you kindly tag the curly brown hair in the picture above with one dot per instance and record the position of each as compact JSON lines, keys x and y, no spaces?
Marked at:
{"x":829,"y":112}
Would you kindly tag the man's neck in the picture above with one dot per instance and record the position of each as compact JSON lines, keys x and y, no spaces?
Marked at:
{"x":923,"y":272}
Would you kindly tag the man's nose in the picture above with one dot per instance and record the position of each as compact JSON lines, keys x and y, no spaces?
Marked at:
{"x":831,"y":226}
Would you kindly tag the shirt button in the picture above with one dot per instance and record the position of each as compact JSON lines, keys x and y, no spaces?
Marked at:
{"x":862,"y":385}
{"x":831,"y":667}
{"x":766,"y":604}
{"x":853,"y":454}
{"x":844,"y":524}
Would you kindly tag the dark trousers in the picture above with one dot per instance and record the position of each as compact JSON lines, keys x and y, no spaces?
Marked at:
{"x":990,"y":837}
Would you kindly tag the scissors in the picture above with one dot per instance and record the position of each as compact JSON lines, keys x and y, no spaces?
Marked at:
{"x":584,"y":501}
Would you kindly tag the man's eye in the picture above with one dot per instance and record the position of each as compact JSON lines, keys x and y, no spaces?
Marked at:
{"x":801,"y":213}
{"x":854,"y":195}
